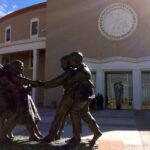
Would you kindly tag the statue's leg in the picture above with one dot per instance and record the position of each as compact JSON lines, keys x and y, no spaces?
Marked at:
{"x":32,"y":135}
{"x":76,"y":123}
{"x":10,"y":134}
{"x":88,"y":118}
{"x":3,"y":121}
{"x":37,"y":131}
{"x":9,"y":125}
{"x":30,"y":125}
{"x":61,"y":129}
{"x":59,"y":117}
{"x":1,"y":124}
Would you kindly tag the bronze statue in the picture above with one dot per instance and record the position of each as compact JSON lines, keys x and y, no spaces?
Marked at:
{"x":21,"y":103}
{"x":84,"y":93}
{"x":78,"y":93}
{"x":66,"y":102}
{"x":5,"y":95}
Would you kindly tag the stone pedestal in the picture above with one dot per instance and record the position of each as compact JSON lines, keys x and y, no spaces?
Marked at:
{"x":22,"y":143}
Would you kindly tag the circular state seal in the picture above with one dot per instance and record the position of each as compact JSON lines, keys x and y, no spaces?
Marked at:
{"x":117,"y":21}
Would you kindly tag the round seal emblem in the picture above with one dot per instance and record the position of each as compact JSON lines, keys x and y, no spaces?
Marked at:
{"x":117,"y":21}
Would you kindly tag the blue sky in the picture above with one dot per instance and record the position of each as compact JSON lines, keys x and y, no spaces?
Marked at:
{"x":8,"y":6}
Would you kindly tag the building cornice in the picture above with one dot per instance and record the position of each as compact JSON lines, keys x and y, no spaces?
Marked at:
{"x":8,"y":44}
{"x":23,"y":45}
{"x":118,"y":58}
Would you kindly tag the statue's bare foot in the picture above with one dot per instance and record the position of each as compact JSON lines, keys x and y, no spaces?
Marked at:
{"x":74,"y":140}
{"x":5,"y":139}
{"x":59,"y":135}
{"x":39,"y":134}
{"x":10,"y":135}
{"x":48,"y":138}
{"x":95,"y":138}
{"x":34,"y":138}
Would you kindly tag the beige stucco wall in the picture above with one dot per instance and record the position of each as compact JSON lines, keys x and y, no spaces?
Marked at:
{"x":20,"y":24}
{"x":20,"y":30}
{"x":73,"y":25}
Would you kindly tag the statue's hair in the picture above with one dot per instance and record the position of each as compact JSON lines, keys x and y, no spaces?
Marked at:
{"x":14,"y":66}
{"x":77,"y":57}
{"x":17,"y":62}
{"x":65,"y":59}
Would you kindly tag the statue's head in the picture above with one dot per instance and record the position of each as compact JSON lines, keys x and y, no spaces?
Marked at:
{"x":17,"y":67}
{"x":65,"y":62}
{"x":76,"y":59}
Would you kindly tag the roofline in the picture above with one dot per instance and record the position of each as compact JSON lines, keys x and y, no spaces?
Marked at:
{"x":23,"y":10}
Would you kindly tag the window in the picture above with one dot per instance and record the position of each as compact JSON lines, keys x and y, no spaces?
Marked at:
{"x":34,"y":27}
{"x":8,"y":34}
{"x":146,"y":89}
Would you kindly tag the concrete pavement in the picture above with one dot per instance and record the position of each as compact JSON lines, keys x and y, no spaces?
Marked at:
{"x":132,"y":128}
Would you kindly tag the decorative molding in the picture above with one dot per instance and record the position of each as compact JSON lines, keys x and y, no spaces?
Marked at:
{"x":117,"y":58}
{"x":117,"y":21}
{"x":22,"y":42}
{"x":23,"y":45}
{"x":121,"y":64}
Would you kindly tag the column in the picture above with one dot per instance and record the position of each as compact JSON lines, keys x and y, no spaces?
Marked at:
{"x":137,"y":89}
{"x":100,"y":82}
{"x":35,"y":71}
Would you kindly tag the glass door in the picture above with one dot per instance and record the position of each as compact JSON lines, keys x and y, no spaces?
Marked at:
{"x":146,"y":90}
{"x":118,"y":90}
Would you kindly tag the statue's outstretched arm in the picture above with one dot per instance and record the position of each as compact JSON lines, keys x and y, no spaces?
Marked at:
{"x":58,"y":81}
{"x":26,"y":81}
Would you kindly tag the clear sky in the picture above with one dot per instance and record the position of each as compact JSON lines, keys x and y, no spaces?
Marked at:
{"x":8,"y":6}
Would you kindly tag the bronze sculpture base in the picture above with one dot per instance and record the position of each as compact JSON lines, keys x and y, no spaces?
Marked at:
{"x":23,"y":143}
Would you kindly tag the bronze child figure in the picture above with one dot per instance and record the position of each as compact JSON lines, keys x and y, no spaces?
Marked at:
{"x":76,"y":99}
{"x":25,"y":111}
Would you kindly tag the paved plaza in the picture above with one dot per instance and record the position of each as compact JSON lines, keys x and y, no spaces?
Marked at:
{"x":131,"y":128}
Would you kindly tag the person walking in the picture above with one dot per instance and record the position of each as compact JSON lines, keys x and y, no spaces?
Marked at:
{"x":100,"y":101}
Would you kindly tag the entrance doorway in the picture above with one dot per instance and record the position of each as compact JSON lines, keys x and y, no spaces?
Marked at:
{"x":146,"y":90}
{"x":125,"y":92}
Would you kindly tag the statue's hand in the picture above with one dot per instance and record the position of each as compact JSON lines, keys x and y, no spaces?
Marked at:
{"x":39,"y":83}
{"x":36,"y":83}
{"x":29,"y":89}
{"x":44,"y":85}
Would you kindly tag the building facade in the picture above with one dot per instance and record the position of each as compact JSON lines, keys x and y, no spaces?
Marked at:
{"x":112,"y":35}
{"x":23,"y":36}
